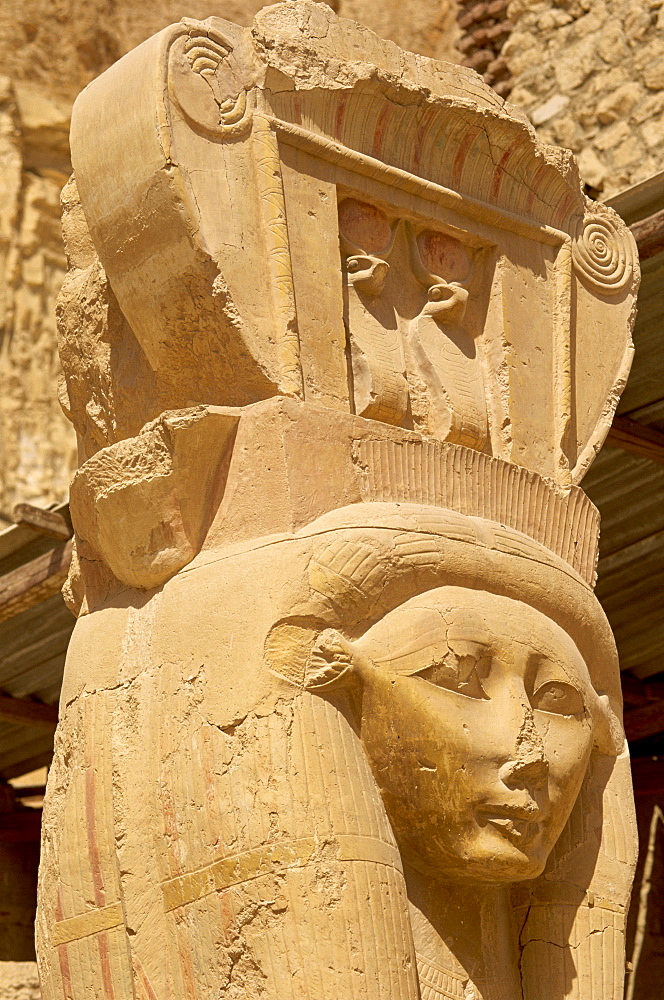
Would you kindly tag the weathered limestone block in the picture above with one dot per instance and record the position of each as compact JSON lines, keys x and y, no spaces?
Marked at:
{"x":341,"y":715}
{"x":590,"y":76}
{"x":241,"y":145}
{"x":170,"y":474}
{"x":37,"y":447}
{"x":19,"y":981}
{"x":47,"y":54}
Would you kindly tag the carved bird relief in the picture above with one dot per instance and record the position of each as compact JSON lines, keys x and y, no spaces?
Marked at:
{"x":380,"y":388}
{"x":441,"y":350}
{"x":412,"y":358}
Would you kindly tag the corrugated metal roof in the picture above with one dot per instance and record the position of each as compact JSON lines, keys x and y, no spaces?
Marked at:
{"x":33,"y":645}
{"x":643,"y":398}
{"x":629,"y":492}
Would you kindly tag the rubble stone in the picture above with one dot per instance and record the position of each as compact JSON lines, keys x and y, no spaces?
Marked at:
{"x":19,"y":981}
{"x":607,"y":59}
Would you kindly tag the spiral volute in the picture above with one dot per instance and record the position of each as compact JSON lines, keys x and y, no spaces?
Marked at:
{"x":604,"y":257}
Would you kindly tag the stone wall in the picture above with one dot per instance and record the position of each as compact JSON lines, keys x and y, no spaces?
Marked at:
{"x":485,"y":28}
{"x":49,"y":50}
{"x":19,"y":981}
{"x":60,"y":45}
{"x":36,"y":444}
{"x":590,"y":74}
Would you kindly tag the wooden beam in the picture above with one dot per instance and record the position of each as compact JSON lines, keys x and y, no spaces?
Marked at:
{"x":20,"y":827}
{"x":649,"y":235}
{"x":637,"y":692}
{"x":648,"y":776}
{"x":33,"y":582}
{"x":43,"y":522}
{"x":28,"y":713}
{"x":30,"y":762}
{"x":633,"y":691}
{"x":29,"y":791}
{"x":648,"y":720}
{"x":637,"y":439}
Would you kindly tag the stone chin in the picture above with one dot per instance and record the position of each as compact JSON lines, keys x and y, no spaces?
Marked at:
{"x":493,"y":855}
{"x":488,"y":846}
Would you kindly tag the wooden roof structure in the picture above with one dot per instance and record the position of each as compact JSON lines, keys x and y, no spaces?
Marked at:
{"x":626,"y":482}
{"x":35,"y":627}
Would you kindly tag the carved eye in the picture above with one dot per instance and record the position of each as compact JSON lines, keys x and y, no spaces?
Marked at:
{"x":438,"y":293}
{"x":464,"y":677}
{"x":558,"y":698}
{"x":353,"y":264}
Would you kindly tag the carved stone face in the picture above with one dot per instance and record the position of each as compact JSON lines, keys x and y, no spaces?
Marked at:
{"x":476,"y":716}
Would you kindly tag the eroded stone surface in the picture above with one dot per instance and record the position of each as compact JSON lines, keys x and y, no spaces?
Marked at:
{"x":341,"y":714}
{"x":19,"y":981}
{"x":37,"y":448}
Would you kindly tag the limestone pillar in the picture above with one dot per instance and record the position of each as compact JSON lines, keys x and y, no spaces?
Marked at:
{"x":341,"y":716}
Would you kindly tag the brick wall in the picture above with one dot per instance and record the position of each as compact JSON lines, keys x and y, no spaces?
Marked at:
{"x":485,"y":28}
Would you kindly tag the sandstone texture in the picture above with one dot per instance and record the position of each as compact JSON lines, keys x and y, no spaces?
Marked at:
{"x":19,"y":981}
{"x":590,"y":75}
{"x":59,"y":47}
{"x":341,"y":713}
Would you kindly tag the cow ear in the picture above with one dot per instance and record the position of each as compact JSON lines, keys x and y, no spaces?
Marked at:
{"x":609,"y":734}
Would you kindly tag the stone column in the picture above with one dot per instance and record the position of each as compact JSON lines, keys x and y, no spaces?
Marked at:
{"x":341,"y":715}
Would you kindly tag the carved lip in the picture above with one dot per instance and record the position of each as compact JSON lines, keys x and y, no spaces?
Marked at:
{"x":519,"y":824}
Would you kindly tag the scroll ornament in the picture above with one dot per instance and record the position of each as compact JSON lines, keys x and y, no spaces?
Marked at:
{"x":206,"y":83}
{"x":604,"y":258}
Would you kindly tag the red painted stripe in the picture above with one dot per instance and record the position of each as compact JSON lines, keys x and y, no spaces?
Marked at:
{"x":147,"y":985}
{"x":91,"y":831}
{"x":63,"y":956}
{"x":227,"y":917}
{"x":460,"y":158}
{"x":105,"y":959}
{"x":379,"y":131}
{"x":65,"y":972}
{"x":170,"y":829}
{"x":534,"y":185}
{"x":422,"y":130}
{"x":340,"y":115}
{"x":565,"y":206}
{"x":186,"y":966}
{"x":499,"y":171}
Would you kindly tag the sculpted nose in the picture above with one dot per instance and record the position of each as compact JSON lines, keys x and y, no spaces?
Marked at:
{"x":527,"y":772}
{"x":527,"y":766}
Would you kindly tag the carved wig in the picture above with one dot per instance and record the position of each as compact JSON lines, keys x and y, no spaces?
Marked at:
{"x":271,"y":866}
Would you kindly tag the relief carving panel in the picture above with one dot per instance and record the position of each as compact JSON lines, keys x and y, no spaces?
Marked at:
{"x":414,"y":362}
